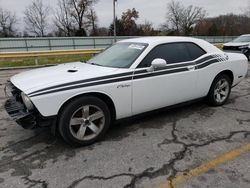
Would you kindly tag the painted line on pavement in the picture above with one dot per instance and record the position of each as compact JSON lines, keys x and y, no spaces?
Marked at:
{"x":222,"y":159}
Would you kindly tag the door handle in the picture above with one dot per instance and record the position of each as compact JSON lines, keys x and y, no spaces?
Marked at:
{"x":192,"y":67}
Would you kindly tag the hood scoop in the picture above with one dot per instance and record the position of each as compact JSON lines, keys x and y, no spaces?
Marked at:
{"x":72,"y":71}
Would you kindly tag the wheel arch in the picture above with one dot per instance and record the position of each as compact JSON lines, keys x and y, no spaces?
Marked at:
{"x":227,"y":72}
{"x":103,"y":96}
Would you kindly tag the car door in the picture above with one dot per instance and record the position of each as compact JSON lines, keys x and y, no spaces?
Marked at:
{"x":166,"y":86}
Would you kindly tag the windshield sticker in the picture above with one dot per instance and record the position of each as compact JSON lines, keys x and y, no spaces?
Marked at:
{"x":136,"y":46}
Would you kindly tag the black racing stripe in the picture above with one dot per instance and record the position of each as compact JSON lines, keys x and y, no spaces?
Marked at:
{"x":204,"y":59}
{"x":141,"y":71}
{"x":166,"y":68}
{"x":207,"y":64}
{"x":83,"y":81}
{"x":159,"y":73}
{"x":175,"y":66}
{"x":180,"y":64}
{"x":84,"y":85}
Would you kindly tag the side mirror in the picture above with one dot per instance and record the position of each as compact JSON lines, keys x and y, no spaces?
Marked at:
{"x":157,"y":63}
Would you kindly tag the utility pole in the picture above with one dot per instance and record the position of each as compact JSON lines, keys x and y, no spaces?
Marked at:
{"x":114,"y":14}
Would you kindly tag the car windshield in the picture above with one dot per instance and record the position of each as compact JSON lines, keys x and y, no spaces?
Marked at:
{"x":120,"y":55}
{"x":242,"y":39}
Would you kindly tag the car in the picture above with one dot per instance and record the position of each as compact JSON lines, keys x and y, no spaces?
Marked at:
{"x":80,"y":100}
{"x":240,"y":45}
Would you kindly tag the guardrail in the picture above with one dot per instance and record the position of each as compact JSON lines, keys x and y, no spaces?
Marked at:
{"x":36,"y":54}
{"x":55,"y":43}
{"x":75,"y":43}
{"x":15,"y":55}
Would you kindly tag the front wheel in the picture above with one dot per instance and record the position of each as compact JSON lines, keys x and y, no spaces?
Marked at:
{"x":84,"y":120}
{"x":220,"y":90}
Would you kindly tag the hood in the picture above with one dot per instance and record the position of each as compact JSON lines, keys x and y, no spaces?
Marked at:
{"x":237,"y":44}
{"x":45,"y":77}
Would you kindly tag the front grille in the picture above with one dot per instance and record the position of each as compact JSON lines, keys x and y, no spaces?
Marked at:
{"x":15,"y":109}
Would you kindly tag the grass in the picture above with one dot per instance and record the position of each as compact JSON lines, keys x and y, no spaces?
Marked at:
{"x":42,"y":61}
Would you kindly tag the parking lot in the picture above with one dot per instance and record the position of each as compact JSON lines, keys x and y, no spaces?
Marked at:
{"x":191,"y":146}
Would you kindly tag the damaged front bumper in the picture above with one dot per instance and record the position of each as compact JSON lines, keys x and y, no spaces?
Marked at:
{"x":15,"y":107}
{"x":18,"y":113}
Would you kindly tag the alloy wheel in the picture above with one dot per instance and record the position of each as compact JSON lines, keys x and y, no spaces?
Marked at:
{"x":221,"y":91}
{"x":87,"y":122}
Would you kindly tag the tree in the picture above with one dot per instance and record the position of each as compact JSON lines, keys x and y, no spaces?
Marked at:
{"x":75,"y":17}
{"x":126,"y":26}
{"x":7,"y":23}
{"x":102,"y":31}
{"x":79,"y":10}
{"x":91,"y":23}
{"x":36,"y":18}
{"x":63,"y":19}
{"x":181,"y":20}
{"x":120,"y":31}
{"x":128,"y":20}
{"x":174,"y":16}
{"x":191,"y":16}
{"x":224,"y":25}
{"x":146,"y":29}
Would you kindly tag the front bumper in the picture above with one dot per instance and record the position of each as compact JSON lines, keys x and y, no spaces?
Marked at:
{"x":18,"y":112}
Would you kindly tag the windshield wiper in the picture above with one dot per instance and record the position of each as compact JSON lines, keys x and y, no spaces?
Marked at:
{"x":96,"y":64}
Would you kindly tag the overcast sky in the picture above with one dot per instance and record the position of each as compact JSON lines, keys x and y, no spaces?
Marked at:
{"x":151,"y":10}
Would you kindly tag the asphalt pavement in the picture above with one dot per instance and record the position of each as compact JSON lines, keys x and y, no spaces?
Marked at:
{"x":193,"y":146}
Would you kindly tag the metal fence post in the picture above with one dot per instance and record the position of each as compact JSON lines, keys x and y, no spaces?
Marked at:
{"x":94,"y":42}
{"x":26,"y":45}
{"x":74,"y":43}
{"x":50,"y":47}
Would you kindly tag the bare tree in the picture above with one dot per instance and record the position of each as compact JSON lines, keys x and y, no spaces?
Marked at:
{"x":174,"y":16}
{"x":191,"y":16}
{"x":79,"y":10}
{"x":63,"y":19}
{"x":7,"y":23}
{"x":76,"y":17}
{"x":224,"y":25}
{"x":181,"y":19}
{"x":146,"y":29}
{"x":37,"y":18}
{"x":92,"y":22}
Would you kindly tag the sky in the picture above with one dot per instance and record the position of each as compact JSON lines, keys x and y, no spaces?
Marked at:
{"x":150,"y":10}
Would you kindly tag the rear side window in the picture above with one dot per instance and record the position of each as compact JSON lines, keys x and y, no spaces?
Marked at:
{"x":173,"y":53}
{"x":194,"y":50}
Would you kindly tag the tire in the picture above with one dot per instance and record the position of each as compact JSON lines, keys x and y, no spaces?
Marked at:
{"x":219,"y":95}
{"x":84,"y":121}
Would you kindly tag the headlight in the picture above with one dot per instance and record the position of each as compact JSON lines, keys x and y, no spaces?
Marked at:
{"x":27,"y":102}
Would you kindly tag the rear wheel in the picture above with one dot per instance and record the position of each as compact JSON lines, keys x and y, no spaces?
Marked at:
{"x":220,"y":90}
{"x":84,"y":120}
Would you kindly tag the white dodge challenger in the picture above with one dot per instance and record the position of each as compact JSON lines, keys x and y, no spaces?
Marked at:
{"x":134,"y":76}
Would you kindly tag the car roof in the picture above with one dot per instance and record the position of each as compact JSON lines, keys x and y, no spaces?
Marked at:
{"x":153,"y":41}
{"x":163,"y":39}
